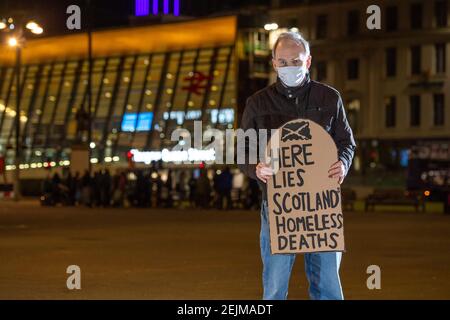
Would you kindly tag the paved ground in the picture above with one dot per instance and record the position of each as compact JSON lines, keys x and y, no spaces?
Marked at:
{"x":176,"y":254}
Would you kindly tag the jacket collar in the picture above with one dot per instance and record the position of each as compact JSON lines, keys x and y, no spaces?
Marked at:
{"x":293,"y":92}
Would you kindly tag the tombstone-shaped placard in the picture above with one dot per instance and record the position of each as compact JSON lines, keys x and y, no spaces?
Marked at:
{"x":304,"y":204}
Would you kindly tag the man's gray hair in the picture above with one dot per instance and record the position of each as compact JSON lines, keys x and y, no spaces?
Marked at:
{"x":294,"y":36}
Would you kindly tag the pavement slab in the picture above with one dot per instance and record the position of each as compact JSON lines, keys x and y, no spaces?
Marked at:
{"x":131,"y":253}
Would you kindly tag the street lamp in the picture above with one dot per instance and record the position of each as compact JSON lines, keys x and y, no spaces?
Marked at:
{"x":271,"y":26}
{"x":17,"y":40}
{"x":12,"y":42}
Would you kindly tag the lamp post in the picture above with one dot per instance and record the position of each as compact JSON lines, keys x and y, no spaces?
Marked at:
{"x":89,"y":31}
{"x":17,"y":40}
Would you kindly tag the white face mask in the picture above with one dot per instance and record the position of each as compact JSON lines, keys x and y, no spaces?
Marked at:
{"x":292,"y":76}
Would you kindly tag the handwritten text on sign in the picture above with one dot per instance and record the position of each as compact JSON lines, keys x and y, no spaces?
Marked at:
{"x":304,"y":204}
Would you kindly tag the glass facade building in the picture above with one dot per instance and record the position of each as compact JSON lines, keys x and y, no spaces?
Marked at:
{"x":146,"y":82}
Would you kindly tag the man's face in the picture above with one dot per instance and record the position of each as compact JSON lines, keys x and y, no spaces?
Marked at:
{"x":290,"y":53}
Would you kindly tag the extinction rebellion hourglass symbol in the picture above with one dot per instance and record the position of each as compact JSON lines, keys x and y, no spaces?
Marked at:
{"x":142,"y":7}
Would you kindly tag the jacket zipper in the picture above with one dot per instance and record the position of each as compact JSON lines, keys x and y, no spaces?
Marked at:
{"x":296,"y":106}
{"x":299,"y":110}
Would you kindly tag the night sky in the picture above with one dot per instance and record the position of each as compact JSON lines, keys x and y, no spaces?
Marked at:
{"x":51,"y":14}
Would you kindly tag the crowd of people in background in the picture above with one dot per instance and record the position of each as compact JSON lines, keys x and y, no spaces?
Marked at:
{"x":197,"y":188}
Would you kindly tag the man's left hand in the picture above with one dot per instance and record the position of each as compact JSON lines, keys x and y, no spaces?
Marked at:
{"x":337,"y":170}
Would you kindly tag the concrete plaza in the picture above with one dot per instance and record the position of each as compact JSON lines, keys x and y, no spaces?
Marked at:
{"x":204,"y":254}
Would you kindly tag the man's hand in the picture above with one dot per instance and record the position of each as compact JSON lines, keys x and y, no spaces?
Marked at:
{"x":337,"y":170}
{"x":263,"y":172}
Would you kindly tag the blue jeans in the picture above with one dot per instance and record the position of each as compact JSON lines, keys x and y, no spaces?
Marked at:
{"x":322,"y":269}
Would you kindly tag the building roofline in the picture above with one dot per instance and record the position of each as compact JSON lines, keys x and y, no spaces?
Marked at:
{"x":198,"y":33}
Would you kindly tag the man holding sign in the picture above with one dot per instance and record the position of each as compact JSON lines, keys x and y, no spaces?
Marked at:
{"x":289,"y":105}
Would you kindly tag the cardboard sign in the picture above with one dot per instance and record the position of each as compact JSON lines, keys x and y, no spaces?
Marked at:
{"x":304,"y":204}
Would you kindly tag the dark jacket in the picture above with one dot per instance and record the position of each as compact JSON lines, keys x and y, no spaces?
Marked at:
{"x":277,"y":104}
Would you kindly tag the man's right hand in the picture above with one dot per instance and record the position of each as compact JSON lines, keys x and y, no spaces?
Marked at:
{"x":263,"y":172}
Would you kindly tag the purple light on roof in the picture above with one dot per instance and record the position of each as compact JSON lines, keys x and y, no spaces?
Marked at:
{"x":176,"y":7}
{"x":141,"y":7}
{"x":155,"y":6}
